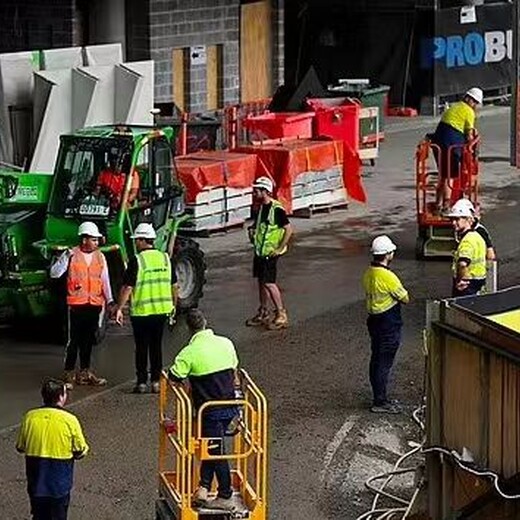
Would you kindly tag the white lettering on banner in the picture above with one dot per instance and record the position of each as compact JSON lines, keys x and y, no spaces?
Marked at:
{"x":496,"y":49}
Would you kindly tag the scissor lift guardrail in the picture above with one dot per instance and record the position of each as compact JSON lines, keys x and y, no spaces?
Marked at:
{"x":182,"y":447}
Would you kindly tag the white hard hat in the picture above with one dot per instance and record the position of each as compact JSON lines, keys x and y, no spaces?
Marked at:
{"x":144,"y":230}
{"x":464,"y":203}
{"x":264,"y":183}
{"x":460,"y":209}
{"x":90,"y":229}
{"x":476,"y":94}
{"x":382,"y":245}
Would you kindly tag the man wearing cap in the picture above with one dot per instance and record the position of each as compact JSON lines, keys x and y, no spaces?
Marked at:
{"x":151,"y":282}
{"x":88,"y":292}
{"x":456,"y":127}
{"x":269,"y":235}
{"x":469,"y":259}
{"x":384,"y":295}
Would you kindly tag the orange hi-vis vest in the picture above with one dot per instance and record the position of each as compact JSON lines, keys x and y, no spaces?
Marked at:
{"x":84,"y":284}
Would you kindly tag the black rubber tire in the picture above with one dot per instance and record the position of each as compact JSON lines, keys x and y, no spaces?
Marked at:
{"x":190,"y":267}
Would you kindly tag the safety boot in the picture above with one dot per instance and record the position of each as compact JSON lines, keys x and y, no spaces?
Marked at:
{"x":262,"y":317}
{"x":281,"y":321}
{"x":200,"y":497}
{"x":69,"y":377}
{"x":87,"y":377}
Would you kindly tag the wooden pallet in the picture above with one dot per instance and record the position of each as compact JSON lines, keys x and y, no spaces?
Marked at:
{"x":319,"y":209}
{"x":211,"y":230}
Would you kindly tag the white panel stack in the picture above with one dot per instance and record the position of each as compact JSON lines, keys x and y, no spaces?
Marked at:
{"x":319,"y":189}
{"x":218,"y":208}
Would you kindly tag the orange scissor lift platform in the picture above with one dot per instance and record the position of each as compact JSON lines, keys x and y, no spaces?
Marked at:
{"x":182,"y":448}
{"x":435,"y":237}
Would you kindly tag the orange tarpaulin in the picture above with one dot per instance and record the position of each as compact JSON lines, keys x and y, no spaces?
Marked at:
{"x":288,"y":159}
{"x":217,"y":168}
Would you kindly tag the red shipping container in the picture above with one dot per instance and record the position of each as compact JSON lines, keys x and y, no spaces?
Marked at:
{"x":336,"y":118}
{"x":280,"y":124}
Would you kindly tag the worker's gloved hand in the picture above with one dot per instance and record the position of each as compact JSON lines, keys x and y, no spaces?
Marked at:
{"x":251,"y":234}
{"x":172,"y":320}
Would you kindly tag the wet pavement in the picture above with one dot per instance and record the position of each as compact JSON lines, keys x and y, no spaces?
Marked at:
{"x":314,"y":374}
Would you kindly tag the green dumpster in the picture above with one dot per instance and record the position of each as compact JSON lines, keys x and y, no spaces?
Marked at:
{"x":369,"y":95}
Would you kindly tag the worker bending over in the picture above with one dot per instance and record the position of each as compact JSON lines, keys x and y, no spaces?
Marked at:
{"x":210,"y":364}
{"x":384,"y":295}
{"x":456,"y":128}
{"x":469,"y":259}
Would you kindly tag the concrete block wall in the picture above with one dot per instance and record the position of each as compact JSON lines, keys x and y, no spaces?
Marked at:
{"x":189,"y":23}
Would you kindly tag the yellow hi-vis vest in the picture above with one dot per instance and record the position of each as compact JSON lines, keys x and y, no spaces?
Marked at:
{"x":383,"y":289}
{"x":268,"y":236}
{"x":152,"y":293}
{"x":473,"y":247}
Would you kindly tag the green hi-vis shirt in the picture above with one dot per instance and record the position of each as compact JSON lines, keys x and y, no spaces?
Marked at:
{"x":383,"y":289}
{"x":152,"y":294}
{"x":459,"y":116}
{"x":209,"y":361}
{"x":472,"y":249}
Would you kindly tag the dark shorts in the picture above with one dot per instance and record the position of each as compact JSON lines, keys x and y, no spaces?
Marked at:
{"x":445,"y":137}
{"x":265,"y":269}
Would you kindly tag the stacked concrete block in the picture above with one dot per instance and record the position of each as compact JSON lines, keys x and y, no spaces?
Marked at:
{"x":218,"y":208}
{"x":318,"y":189}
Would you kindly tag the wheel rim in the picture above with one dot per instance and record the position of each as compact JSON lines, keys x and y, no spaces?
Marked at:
{"x":185,"y":271}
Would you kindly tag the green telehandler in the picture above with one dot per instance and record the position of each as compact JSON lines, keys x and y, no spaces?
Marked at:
{"x":40,"y":214}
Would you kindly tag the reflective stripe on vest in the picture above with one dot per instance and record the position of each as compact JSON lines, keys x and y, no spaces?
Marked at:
{"x":152,"y":293}
{"x":472,"y":246}
{"x":268,"y":236}
{"x":84,"y":284}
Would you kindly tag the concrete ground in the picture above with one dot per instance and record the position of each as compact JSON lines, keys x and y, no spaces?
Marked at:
{"x":314,"y":374}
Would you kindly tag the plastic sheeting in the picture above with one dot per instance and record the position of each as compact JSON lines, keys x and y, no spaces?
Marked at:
{"x":286,"y":160}
{"x":217,"y":168}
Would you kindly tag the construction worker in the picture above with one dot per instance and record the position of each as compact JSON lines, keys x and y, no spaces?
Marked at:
{"x":469,"y":259}
{"x":88,"y":292}
{"x":269,"y":235}
{"x":111,"y":182}
{"x":479,"y":228}
{"x":456,"y":127}
{"x":210,"y":364}
{"x":152,"y":284}
{"x":51,"y":439}
{"x":384,"y":295}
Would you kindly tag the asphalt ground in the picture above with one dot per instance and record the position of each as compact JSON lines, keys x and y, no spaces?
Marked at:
{"x":322,"y":437}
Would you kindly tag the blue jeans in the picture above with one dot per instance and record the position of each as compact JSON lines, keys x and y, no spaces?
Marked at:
{"x":385,"y":339}
{"x":216,"y":427}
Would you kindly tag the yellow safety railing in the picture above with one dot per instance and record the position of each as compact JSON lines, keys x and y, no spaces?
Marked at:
{"x":182,"y":448}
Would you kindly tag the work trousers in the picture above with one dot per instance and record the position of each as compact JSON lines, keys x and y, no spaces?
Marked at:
{"x":83,"y":326}
{"x":385,"y":336}
{"x":148,"y":333}
{"x":49,"y":508}
{"x":216,"y":428}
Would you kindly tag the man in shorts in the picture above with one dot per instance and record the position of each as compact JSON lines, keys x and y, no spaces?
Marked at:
{"x":270,"y":235}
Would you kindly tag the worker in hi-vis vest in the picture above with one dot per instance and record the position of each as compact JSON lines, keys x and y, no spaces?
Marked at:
{"x":151,"y":283}
{"x":384,"y":295}
{"x":469,"y":259}
{"x":88,"y":291}
{"x":269,"y":235}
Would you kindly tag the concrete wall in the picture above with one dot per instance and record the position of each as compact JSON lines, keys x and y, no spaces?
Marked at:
{"x":188,"y":23}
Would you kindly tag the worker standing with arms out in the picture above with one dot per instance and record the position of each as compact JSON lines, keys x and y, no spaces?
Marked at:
{"x":384,"y":295}
{"x":152,"y":284}
{"x":270,"y":236}
{"x":210,"y":364}
{"x":51,"y":439}
{"x":456,"y":127}
{"x":88,"y":291}
{"x":469,"y":259}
